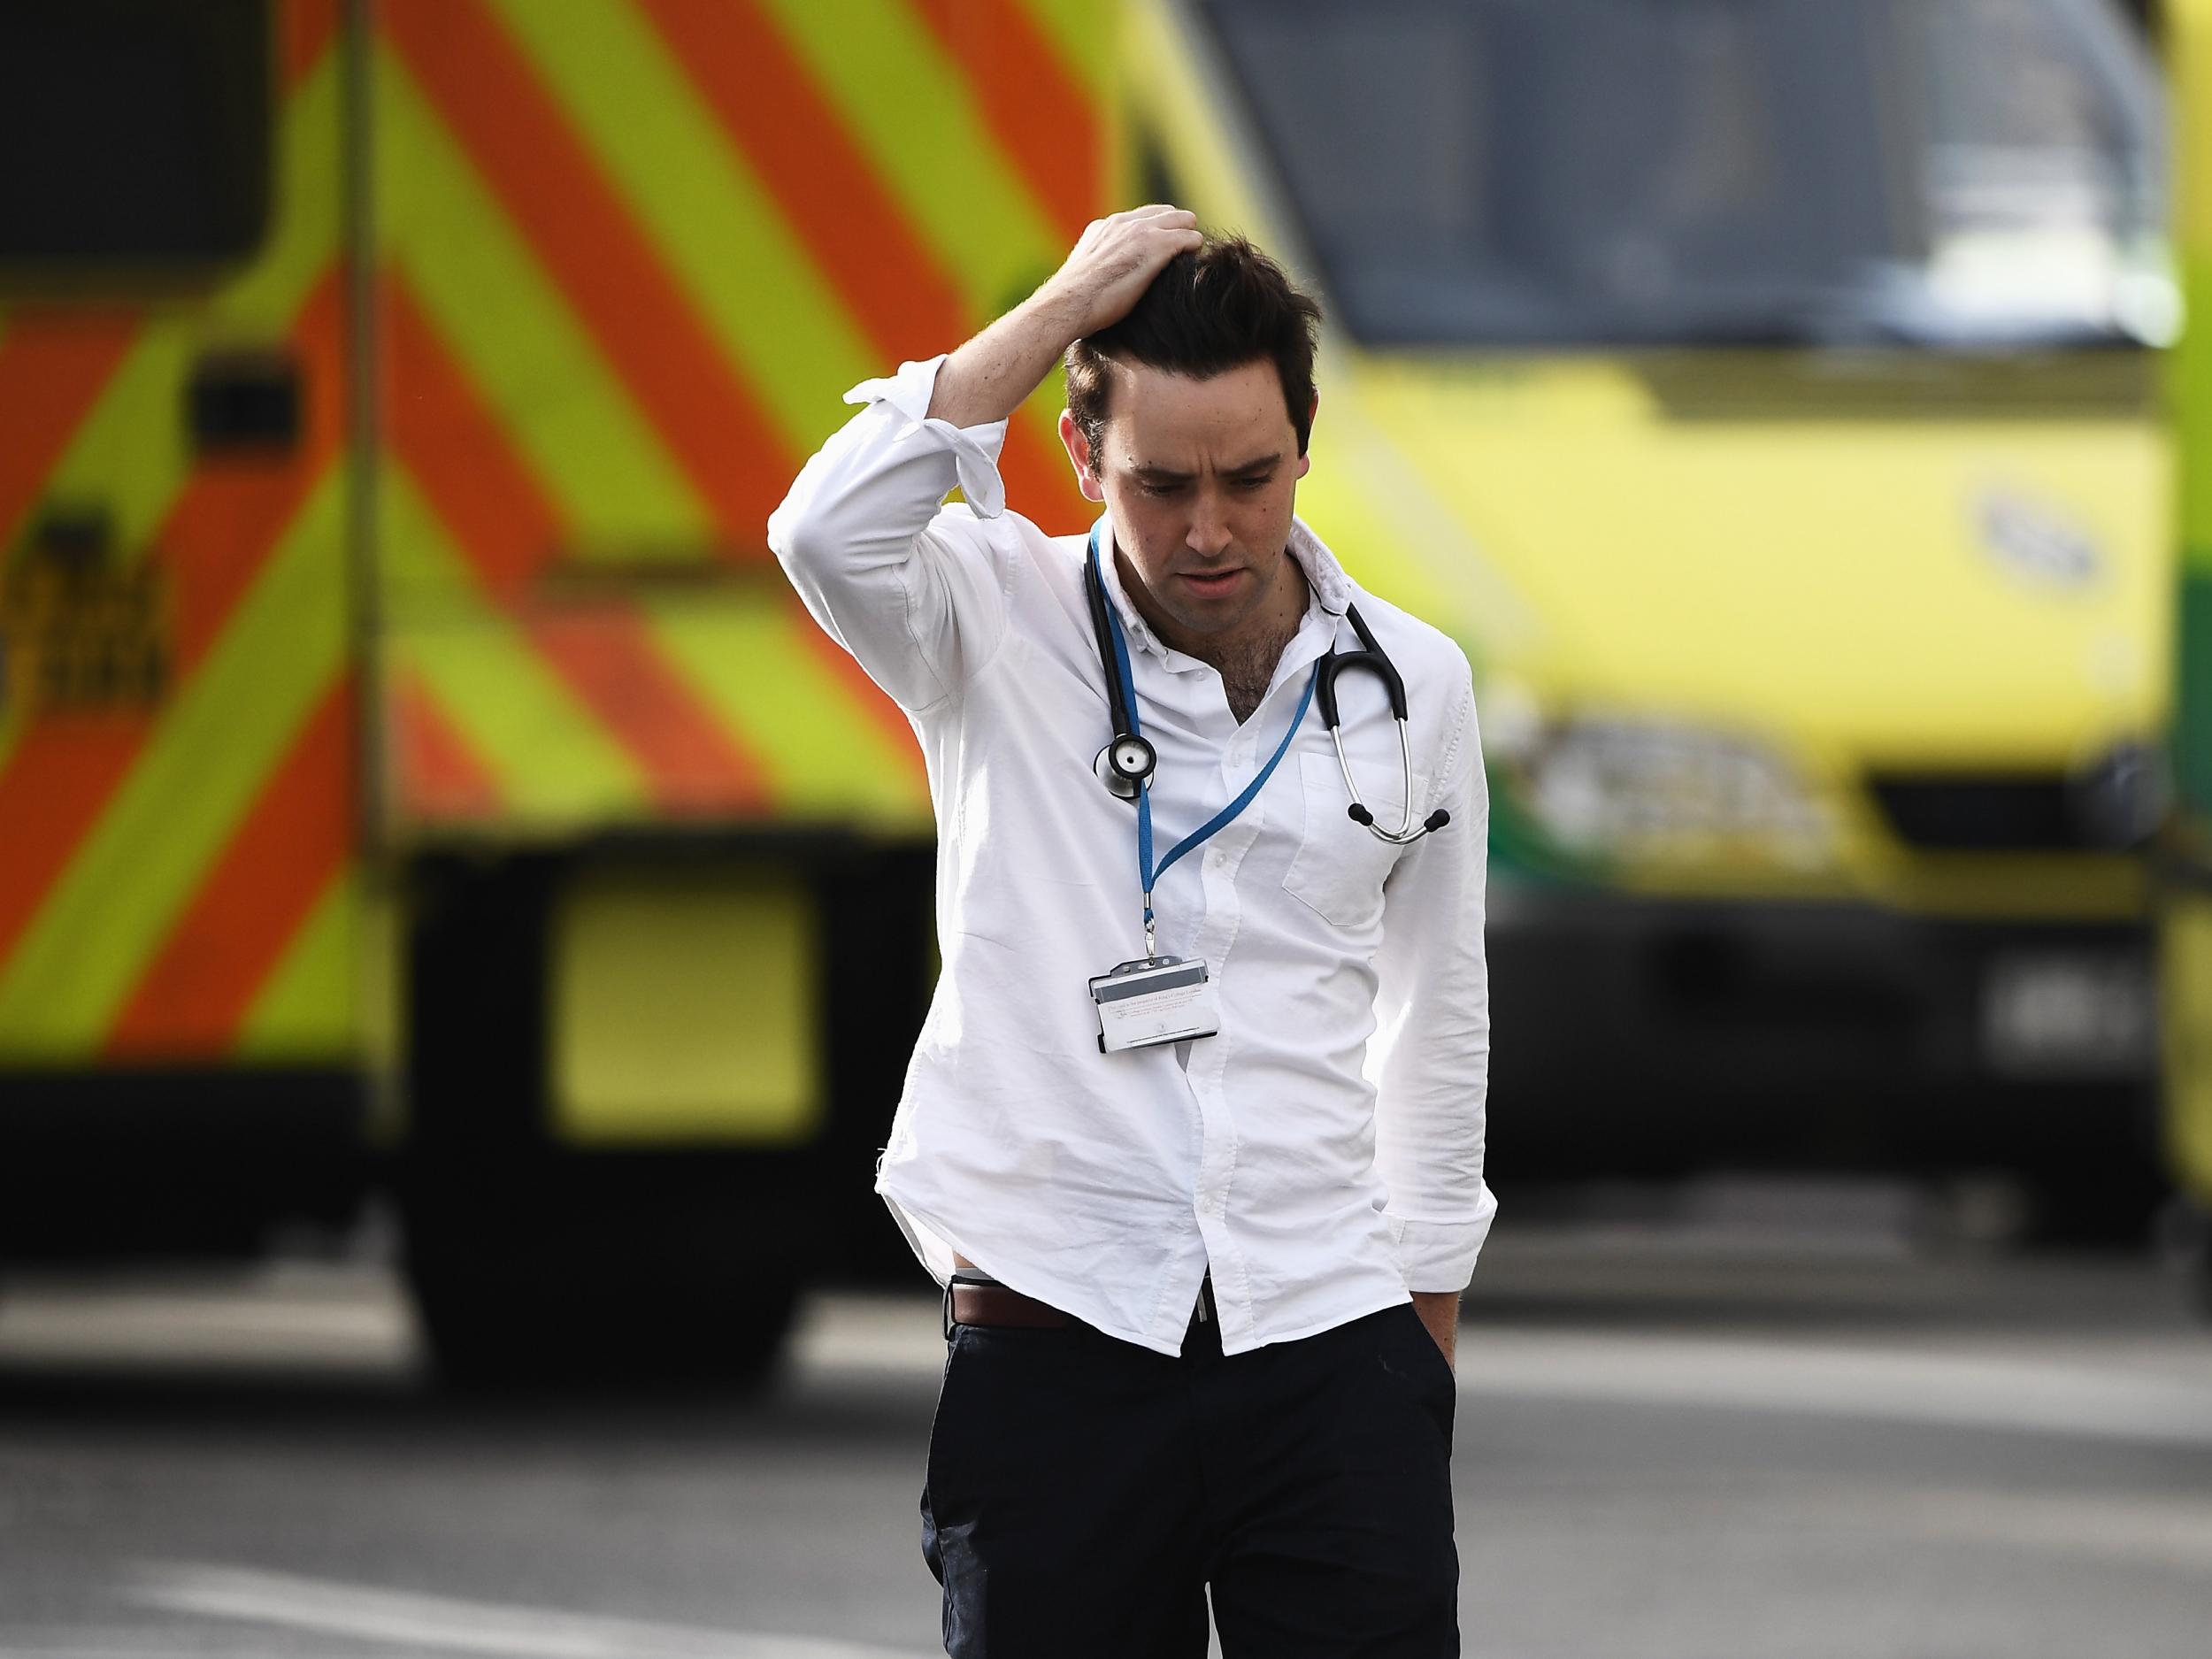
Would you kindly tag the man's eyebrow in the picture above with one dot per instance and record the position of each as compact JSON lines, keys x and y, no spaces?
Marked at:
{"x":1152,"y":474}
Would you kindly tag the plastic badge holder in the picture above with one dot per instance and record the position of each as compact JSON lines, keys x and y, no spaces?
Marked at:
{"x":1153,"y":1000}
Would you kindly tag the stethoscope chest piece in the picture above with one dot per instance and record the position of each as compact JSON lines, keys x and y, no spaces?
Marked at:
{"x":1125,"y":764}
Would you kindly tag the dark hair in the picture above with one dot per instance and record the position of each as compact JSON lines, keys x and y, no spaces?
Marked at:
{"x":1218,"y":308}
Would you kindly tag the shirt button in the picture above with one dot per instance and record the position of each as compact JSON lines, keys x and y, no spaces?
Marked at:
{"x":1218,"y":857}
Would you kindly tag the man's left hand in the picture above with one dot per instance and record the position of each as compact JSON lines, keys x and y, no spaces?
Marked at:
{"x":1440,"y":1311}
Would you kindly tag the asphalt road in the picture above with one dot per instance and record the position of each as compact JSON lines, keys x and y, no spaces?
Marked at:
{"x":1679,"y":1442}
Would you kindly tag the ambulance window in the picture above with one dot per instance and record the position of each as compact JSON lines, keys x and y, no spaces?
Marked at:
{"x":134,"y":135}
{"x":1954,"y":174}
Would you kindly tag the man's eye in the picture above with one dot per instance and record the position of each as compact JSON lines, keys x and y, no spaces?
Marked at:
{"x":1256,"y":483}
{"x":1160,"y":489}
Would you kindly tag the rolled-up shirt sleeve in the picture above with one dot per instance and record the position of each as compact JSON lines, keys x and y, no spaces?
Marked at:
{"x":904,"y":583}
{"x":1430,"y":1059}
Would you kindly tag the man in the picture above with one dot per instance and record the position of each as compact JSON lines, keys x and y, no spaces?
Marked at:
{"x":1183,"y":1275}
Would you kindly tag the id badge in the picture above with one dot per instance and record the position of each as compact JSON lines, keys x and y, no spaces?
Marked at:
{"x":1154,"y":1000}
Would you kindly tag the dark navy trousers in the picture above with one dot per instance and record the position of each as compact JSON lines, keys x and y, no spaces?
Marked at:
{"x":1085,"y":1495}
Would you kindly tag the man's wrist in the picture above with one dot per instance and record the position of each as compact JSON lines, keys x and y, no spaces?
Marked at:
{"x":1439,"y":1311}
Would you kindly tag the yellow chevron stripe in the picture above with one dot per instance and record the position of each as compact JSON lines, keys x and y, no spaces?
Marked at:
{"x":204,"y":767}
{"x":751,"y":665}
{"x":567,"y":413}
{"x":714,"y":222}
{"x":133,"y":453}
{"x":305,"y":1011}
{"x":906,"y":105}
{"x":310,"y":200}
{"x":1082,"y":35}
{"x":553,"y":762}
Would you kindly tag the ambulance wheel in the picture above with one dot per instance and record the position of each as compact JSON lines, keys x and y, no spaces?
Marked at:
{"x":2113,"y":1209}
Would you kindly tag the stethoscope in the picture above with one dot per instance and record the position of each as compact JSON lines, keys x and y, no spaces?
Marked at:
{"x":1128,"y":762}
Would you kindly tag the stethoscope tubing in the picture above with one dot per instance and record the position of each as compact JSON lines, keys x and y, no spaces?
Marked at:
{"x":1129,"y":759}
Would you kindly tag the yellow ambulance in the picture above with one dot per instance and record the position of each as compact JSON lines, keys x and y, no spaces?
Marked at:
{"x":2185,"y":894}
{"x":416,"y":779}
{"x":1763,"y":394}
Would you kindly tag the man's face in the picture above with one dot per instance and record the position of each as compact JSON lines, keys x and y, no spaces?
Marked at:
{"x":1201,"y":476}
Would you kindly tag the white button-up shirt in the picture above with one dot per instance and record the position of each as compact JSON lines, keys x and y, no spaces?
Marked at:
{"x":1323,"y":1155}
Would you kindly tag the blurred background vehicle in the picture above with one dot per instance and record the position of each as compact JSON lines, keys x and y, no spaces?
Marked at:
{"x":416,"y":778}
{"x":2185,"y":861}
{"x":1766,"y":395}
{"x":414,"y":772}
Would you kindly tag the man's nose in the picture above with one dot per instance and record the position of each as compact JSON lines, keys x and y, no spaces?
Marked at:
{"x":1209,"y":526}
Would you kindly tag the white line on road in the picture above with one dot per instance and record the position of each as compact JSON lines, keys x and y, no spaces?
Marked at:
{"x":405,"y":1619}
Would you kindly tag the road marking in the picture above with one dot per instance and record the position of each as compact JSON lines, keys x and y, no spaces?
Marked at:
{"x":404,"y":1618}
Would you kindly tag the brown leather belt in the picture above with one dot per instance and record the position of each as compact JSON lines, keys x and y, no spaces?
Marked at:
{"x":987,"y":1302}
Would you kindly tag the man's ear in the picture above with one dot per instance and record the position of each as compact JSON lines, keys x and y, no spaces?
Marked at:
{"x":1078,"y":449}
{"x":1305,"y":456}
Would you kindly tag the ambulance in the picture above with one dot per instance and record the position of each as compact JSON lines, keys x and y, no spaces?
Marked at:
{"x":1765,"y":395}
{"x":2185,"y":861}
{"x":419,"y":787}
{"x":418,"y":783}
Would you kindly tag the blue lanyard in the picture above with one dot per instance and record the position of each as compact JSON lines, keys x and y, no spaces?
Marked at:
{"x":1148,"y":873}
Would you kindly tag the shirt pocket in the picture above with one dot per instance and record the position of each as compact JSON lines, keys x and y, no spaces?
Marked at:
{"x":1338,"y":870}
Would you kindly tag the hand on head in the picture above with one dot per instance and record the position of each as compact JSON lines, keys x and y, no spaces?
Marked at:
{"x":1115,"y":260}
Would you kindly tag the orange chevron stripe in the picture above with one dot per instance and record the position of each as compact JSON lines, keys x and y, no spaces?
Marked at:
{"x":504,"y":523}
{"x":53,"y":367}
{"x":1022,"y":90}
{"x":304,"y":31}
{"x":53,"y":787}
{"x":505,"y":526}
{"x":764,"y":99}
{"x":223,"y":525}
{"x":294,"y":842}
{"x":693,"y":764}
{"x":591,"y":246}
{"x":441,"y":776}
{"x":457,"y":452}
{"x":220,"y":530}
{"x":761,"y":94}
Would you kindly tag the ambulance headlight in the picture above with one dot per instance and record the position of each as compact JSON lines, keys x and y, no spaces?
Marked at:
{"x":1660,"y":791}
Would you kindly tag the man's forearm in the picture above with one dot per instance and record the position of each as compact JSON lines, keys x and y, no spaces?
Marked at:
{"x":988,"y":378}
{"x":1440,"y":1311}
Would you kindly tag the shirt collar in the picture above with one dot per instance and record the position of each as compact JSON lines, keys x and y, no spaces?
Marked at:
{"x":1333,"y":590}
